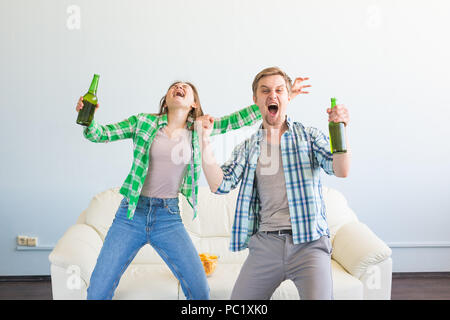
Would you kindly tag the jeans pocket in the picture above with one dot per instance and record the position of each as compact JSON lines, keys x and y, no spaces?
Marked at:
{"x":329,"y":246}
{"x":124,"y":203}
{"x":324,"y":244}
{"x":173,"y":209}
{"x":249,"y":243}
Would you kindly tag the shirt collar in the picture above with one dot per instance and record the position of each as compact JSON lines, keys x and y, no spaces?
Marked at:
{"x":162,"y":121}
{"x":260,"y":133}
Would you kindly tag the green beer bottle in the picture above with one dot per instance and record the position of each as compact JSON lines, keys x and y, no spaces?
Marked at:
{"x":86,"y":114}
{"x":337,"y":134}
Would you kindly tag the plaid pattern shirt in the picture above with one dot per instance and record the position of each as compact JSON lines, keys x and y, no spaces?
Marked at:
{"x":304,"y":151}
{"x":142,"y":128}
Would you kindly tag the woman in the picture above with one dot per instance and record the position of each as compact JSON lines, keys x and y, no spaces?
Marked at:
{"x":166,"y":161}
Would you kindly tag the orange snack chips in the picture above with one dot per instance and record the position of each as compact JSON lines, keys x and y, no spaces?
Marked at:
{"x":209,"y":262}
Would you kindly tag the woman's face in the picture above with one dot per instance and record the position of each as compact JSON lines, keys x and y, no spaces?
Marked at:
{"x":180,"y":95}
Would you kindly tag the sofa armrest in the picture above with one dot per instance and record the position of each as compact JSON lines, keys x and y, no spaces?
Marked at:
{"x":356,"y":248}
{"x":79,"y":248}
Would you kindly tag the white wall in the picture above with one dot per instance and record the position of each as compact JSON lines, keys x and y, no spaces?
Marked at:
{"x":387,"y":61}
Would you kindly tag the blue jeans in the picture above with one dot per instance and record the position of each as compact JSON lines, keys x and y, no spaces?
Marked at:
{"x":158,"y":222}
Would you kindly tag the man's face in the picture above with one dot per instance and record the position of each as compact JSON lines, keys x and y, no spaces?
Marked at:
{"x":272,"y":98}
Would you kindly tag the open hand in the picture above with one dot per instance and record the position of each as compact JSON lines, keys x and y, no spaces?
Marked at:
{"x":298,"y":86}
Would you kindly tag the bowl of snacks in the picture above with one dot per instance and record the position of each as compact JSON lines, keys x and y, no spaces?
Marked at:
{"x":209,"y":262}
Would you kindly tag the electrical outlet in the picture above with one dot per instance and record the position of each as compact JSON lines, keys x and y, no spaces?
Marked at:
{"x":22,"y":240}
{"x":32,"y":241}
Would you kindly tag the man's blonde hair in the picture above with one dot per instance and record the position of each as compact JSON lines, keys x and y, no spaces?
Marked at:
{"x":271,"y":71}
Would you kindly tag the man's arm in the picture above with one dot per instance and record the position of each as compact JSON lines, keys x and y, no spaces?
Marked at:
{"x":221,"y":179}
{"x":332,"y":164}
{"x":213,"y":172}
{"x":341,"y":161}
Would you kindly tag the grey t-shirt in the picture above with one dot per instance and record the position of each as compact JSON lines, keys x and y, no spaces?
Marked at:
{"x":169,"y":159}
{"x":271,"y":185}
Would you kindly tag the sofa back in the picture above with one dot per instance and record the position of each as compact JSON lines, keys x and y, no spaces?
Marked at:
{"x":210,"y":231}
{"x":100,"y":214}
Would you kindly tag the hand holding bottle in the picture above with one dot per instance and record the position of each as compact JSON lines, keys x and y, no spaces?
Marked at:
{"x":337,"y":121}
{"x":90,"y":104}
{"x":80,"y":105}
{"x":338,"y":113}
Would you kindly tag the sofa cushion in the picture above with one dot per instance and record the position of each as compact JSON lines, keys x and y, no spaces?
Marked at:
{"x":147,"y":282}
{"x":286,"y":291}
{"x":357,"y":257}
{"x":147,"y":255}
{"x":102,"y":210}
{"x":345,"y":286}
{"x":215,"y":213}
{"x":221,"y":282}
{"x":100,"y":215}
{"x":337,"y":210}
{"x":218,"y":246}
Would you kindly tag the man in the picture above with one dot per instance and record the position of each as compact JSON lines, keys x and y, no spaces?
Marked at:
{"x":280,"y":214}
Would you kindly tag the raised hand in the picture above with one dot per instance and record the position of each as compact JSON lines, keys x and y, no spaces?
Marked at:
{"x":298,"y":86}
{"x":204,"y":126}
{"x":80,"y":105}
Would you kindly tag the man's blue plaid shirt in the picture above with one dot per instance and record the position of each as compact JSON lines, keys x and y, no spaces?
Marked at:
{"x":304,"y":151}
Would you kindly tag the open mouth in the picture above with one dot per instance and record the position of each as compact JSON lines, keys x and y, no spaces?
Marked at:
{"x":273,"y":109}
{"x":179,"y":93}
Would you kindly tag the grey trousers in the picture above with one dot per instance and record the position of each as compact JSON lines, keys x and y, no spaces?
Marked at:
{"x":274,"y":258}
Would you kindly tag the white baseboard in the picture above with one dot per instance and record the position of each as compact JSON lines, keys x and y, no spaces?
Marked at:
{"x":37,"y":248}
{"x":435,"y":244}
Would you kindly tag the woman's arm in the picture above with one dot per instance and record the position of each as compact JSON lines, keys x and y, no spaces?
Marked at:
{"x":112,"y":132}
{"x":244,"y":117}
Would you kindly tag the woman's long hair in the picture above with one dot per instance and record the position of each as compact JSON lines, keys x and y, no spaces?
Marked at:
{"x":194,"y":113}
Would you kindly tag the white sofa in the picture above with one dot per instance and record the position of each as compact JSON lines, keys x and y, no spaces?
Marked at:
{"x":361,"y":262}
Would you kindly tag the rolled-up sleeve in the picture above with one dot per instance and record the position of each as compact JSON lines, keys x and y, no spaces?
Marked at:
{"x":244,"y":117}
{"x":321,"y":149}
{"x":112,"y":132}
